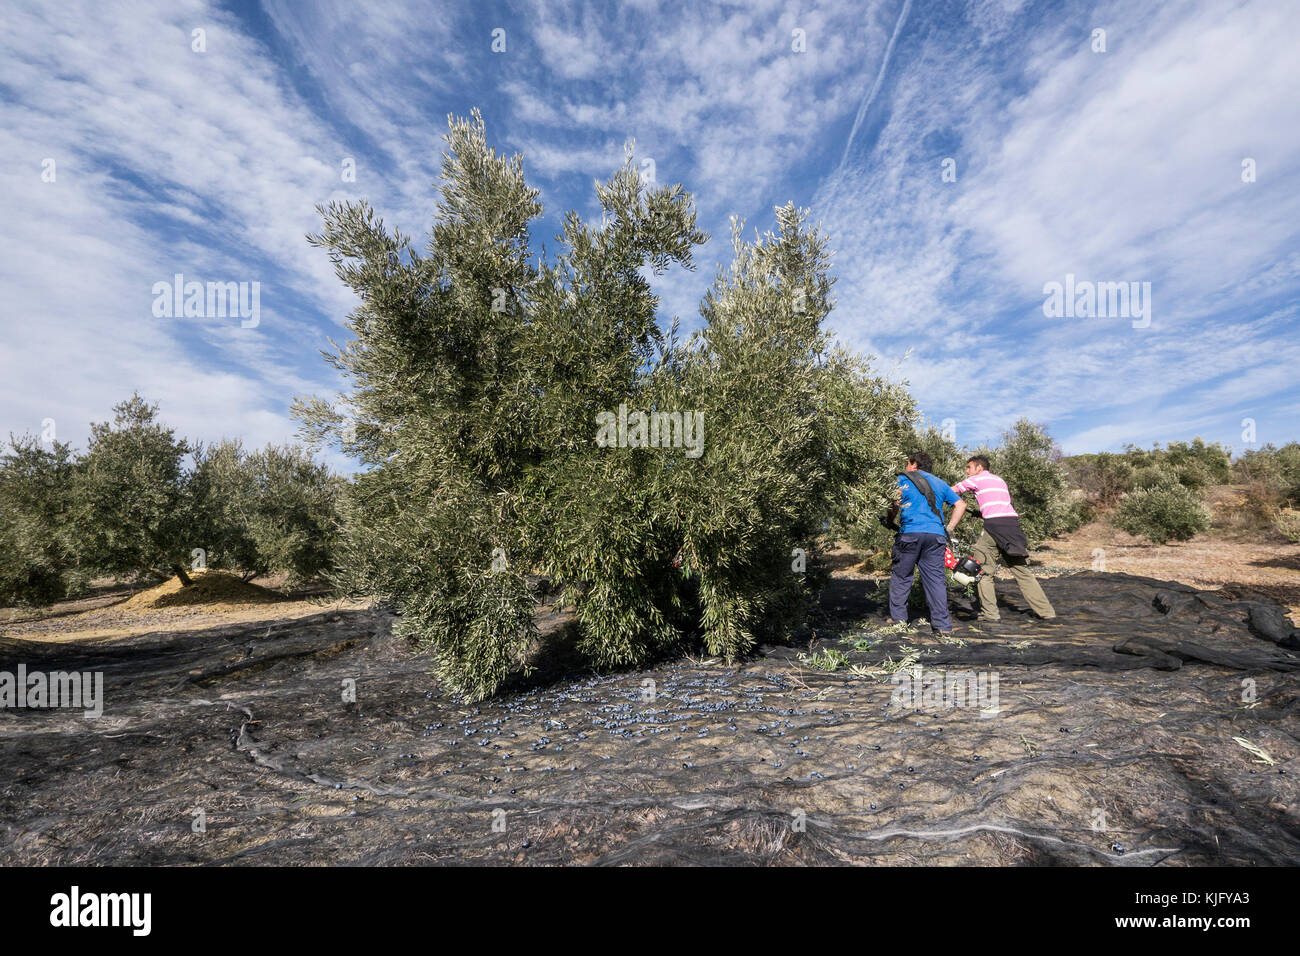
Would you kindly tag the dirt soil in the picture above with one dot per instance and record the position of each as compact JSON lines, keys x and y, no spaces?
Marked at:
{"x":1157,"y":724}
{"x":216,"y":600}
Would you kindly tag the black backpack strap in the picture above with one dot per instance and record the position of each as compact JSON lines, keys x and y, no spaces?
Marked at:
{"x":924,"y":488}
{"x":918,"y":481}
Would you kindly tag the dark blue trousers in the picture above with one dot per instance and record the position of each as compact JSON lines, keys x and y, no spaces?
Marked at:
{"x":923,"y":551}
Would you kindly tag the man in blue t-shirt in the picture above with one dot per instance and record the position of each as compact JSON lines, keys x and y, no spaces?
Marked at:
{"x":921,"y":540}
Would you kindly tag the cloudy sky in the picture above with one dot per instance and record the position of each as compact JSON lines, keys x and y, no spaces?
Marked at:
{"x":961,"y":157}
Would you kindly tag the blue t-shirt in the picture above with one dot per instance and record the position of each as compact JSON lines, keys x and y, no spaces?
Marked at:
{"x":915,"y":515}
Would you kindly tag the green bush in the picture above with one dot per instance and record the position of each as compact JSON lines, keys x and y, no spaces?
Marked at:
{"x":1079,"y":512}
{"x":948,"y":457}
{"x":1272,"y":473}
{"x":1153,"y":476}
{"x":1199,"y":464}
{"x":1288,"y":524}
{"x":1102,"y":477}
{"x":1193,"y":464}
{"x":1288,"y":461}
{"x":1161,"y":513}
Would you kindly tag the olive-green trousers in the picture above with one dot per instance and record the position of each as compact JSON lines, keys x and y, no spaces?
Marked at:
{"x":986,"y":551}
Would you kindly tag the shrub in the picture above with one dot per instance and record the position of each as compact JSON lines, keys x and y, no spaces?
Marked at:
{"x":1198,"y":464}
{"x":1102,"y":477}
{"x":1272,"y":473}
{"x":1161,"y":513}
{"x":1258,"y":508}
{"x":1078,"y":513}
{"x":1288,"y":461}
{"x":1193,"y":464}
{"x":949,"y":458}
{"x":1288,"y":524}
{"x":1153,"y":476}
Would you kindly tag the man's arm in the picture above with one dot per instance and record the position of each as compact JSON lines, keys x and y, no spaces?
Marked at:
{"x":958,"y":510}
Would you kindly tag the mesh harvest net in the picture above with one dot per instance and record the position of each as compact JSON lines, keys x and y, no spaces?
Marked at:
{"x":1154,"y":724}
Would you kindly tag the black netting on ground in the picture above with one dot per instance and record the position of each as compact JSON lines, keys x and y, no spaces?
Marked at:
{"x":1112,"y":742}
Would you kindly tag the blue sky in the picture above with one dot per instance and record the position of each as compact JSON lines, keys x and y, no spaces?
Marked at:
{"x":1115,"y":166}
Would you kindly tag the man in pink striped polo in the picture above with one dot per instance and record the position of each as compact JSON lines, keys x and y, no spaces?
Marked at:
{"x":1002,"y":538}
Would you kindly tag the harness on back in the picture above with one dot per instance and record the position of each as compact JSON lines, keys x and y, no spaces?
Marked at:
{"x":965,"y":570}
{"x":923,"y":486}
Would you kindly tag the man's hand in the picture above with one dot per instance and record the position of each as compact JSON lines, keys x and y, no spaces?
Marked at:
{"x":890,"y":521}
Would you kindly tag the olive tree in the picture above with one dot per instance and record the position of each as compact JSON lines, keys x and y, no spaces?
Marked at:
{"x":38,"y":556}
{"x":130,"y":512}
{"x":517,"y":416}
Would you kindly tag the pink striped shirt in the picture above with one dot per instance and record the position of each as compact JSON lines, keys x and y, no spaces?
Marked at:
{"x":991,"y":493}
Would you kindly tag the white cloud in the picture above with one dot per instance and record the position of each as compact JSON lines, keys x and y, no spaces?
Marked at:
{"x":1122,"y":166}
{"x":129,"y":112}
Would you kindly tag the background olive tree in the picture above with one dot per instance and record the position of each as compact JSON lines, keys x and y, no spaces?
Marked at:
{"x":38,"y":556}
{"x":140,"y":502}
{"x":130,"y":516}
{"x":264,"y":512}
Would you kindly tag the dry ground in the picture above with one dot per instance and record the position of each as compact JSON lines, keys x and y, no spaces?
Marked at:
{"x":115,"y":612}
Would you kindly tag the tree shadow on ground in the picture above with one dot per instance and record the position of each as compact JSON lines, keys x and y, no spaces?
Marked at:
{"x":1288,"y":562}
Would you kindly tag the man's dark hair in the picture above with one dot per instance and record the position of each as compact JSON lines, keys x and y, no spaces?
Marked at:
{"x":921,"y":460}
{"x":980,"y":460}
